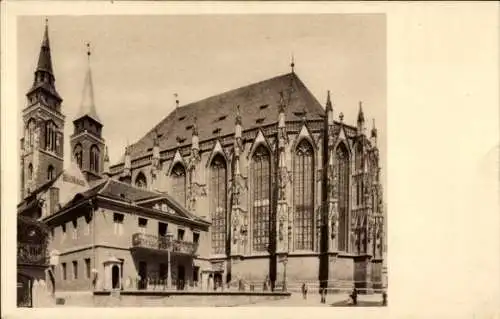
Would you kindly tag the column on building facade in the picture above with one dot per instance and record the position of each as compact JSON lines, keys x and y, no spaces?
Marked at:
{"x":192,"y":169}
{"x":283,"y":177}
{"x":155,"y":161}
{"x":378,"y":210}
{"x":332,"y":193}
{"x":105,"y":170}
{"x":36,"y":158}
{"x":127,"y":167}
{"x":238,"y":215}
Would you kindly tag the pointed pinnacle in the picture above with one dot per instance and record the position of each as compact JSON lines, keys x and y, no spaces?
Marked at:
{"x":361,"y":116}
{"x":328,"y":102}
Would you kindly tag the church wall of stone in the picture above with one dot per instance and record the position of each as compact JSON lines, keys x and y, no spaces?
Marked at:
{"x":341,"y":269}
{"x":253,"y":269}
{"x":300,"y":269}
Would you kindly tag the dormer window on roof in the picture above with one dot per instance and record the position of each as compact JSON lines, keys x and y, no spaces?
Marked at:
{"x":299,"y":114}
{"x":264,"y":106}
{"x":189,"y":127}
{"x":260,"y":120}
{"x":182,"y":118}
{"x":216,"y":131}
{"x":181,"y":139}
{"x":222,"y":118}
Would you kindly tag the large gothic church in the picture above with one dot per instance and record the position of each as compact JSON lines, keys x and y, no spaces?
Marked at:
{"x":292,"y":192}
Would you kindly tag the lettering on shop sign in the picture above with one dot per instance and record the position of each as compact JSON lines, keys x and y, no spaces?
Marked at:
{"x":73,"y":180}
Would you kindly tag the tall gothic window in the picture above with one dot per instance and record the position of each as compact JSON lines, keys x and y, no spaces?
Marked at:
{"x":359,"y":166}
{"x":50,"y":172}
{"x":343,"y":195}
{"x":31,"y":132}
{"x":261,"y":196}
{"x":50,"y":136}
{"x":303,"y":186}
{"x":178,"y":176}
{"x":94,"y":158}
{"x":140,"y":180}
{"x":218,"y":204}
{"x":78,"y":154}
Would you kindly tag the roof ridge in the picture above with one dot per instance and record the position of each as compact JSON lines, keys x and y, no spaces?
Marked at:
{"x":106,"y":184}
{"x":238,"y":88}
{"x":183,"y":107}
{"x":258,"y":101}
{"x":133,"y":186}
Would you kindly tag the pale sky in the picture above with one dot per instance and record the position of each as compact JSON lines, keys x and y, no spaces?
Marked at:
{"x":139,"y":62}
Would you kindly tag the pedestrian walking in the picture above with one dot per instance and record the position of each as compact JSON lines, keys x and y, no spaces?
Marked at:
{"x":303,"y":291}
{"x":354,"y":296}
{"x":323,"y":295}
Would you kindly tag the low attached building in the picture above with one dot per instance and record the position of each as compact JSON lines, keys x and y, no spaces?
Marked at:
{"x":118,"y":236}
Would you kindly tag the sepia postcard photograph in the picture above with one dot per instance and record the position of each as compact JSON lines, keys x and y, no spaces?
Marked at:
{"x":202,"y":161}
{"x":243,"y":160}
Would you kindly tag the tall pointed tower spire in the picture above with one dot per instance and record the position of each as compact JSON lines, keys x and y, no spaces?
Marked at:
{"x":43,"y":90}
{"x":43,"y":137}
{"x":87,"y":107}
{"x":87,"y":135}
{"x":44,"y":58}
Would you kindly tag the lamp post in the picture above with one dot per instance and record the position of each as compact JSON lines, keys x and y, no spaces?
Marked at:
{"x":285,"y":260}
{"x":169,"y":261}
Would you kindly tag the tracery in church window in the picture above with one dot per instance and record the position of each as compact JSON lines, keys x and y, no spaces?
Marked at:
{"x":218,"y":203}
{"x":51,"y":136}
{"x":359,"y":166}
{"x":31,"y":126}
{"x":261,"y":196}
{"x":303,"y":186}
{"x":94,"y":158}
{"x":343,"y":195}
{"x":50,"y":172}
{"x":78,"y":154}
{"x":179,"y":184}
{"x":140,"y":180}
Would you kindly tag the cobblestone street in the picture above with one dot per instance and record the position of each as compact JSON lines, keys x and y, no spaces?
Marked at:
{"x":313,"y":300}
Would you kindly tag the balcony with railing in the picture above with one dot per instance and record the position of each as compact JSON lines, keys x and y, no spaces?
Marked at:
{"x":164,"y":243}
{"x":32,"y":254}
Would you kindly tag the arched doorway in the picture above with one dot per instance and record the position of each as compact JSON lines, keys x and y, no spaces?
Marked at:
{"x":115,"y":277}
{"x":24,"y":291}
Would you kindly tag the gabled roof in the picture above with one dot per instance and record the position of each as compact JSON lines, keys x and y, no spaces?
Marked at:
{"x":216,"y":115}
{"x":130,"y":194}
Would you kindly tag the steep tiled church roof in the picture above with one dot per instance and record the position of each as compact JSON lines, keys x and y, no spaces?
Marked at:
{"x":215,"y":116}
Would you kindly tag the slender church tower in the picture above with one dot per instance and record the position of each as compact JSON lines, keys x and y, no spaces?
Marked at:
{"x":43,"y":138}
{"x":87,"y":144}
